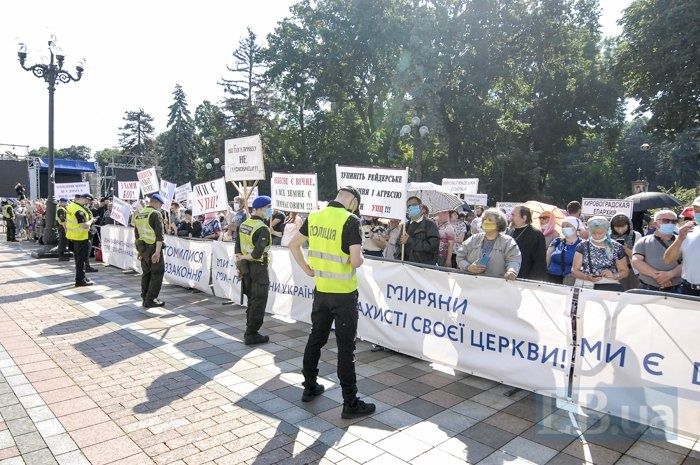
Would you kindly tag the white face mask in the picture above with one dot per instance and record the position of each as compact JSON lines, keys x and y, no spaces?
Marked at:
{"x":236,"y":206}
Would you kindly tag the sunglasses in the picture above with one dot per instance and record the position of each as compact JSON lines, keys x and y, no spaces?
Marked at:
{"x":666,"y":221}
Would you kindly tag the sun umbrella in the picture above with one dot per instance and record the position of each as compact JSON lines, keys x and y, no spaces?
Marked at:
{"x":433,"y":196}
{"x":648,"y":200}
{"x":538,"y":208}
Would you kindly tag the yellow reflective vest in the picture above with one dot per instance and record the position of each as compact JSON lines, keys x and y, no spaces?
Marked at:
{"x":333,"y":272}
{"x":245,"y":235}
{"x":58,"y":218}
{"x":73,"y":230}
{"x":146,"y":233}
{"x":7,"y":212}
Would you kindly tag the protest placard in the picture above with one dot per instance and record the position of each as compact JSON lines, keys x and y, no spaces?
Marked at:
{"x":181,"y":192}
{"x":167,"y":191}
{"x":149,"y":180}
{"x":383,"y":190}
{"x":507,"y":206}
{"x":121,"y":211}
{"x":606,"y":207}
{"x":68,"y":190}
{"x":244,"y":159}
{"x":209,"y":197}
{"x":476,"y":199}
{"x":294,"y":192}
{"x":128,"y":190}
{"x":461,"y":186}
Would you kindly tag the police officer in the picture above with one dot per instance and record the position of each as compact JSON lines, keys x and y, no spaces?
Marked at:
{"x":61,"y":225}
{"x":335,"y":252}
{"x":78,"y":222}
{"x":251,"y":256}
{"x":148,"y":228}
{"x":8,"y":215}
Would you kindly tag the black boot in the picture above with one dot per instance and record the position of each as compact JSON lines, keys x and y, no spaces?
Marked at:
{"x":312,"y":392}
{"x":357,"y":409}
{"x":256,"y":338}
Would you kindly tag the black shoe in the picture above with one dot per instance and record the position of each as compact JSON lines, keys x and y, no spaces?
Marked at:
{"x":85,"y":283}
{"x":256,"y":338}
{"x":357,"y":409}
{"x":63,"y":259}
{"x":91,"y":270}
{"x":153,"y":303}
{"x":310,"y":394}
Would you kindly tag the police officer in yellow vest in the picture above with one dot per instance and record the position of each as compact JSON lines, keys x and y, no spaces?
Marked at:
{"x":148,"y":228}
{"x":335,"y":252}
{"x":78,"y":222}
{"x":252,"y":246}
{"x":8,"y":214}
{"x":61,"y":216}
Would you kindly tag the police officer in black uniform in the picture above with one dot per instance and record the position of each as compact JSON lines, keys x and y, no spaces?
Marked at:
{"x":148,"y":229}
{"x":8,"y":214}
{"x":252,"y":246}
{"x":335,"y":252}
{"x":61,"y":226}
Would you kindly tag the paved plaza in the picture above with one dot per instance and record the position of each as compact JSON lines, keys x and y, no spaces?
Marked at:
{"x":88,"y":376}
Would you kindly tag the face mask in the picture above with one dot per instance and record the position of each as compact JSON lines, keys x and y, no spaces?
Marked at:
{"x":667,"y":228}
{"x":489,"y":226}
{"x":268,"y":213}
{"x":568,"y":232}
{"x":697,"y":218}
{"x":413,"y":211}
{"x":236,"y":206}
{"x":598,"y":241}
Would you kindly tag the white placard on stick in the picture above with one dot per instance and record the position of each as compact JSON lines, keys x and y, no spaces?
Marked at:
{"x":181,"y":192}
{"x":507,"y":206}
{"x":461,"y":186}
{"x":209,"y":197}
{"x":244,"y":159}
{"x":294,"y":192}
{"x":128,"y":190}
{"x":121,"y":211}
{"x":383,"y":190}
{"x":167,"y":191}
{"x":149,"y":180}
{"x":68,"y":190}
{"x":606,"y":207}
{"x":476,"y":199}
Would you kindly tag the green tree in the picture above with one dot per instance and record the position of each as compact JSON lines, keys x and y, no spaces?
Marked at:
{"x":212,"y":132}
{"x":109,"y":155}
{"x":659,"y":62}
{"x":136,"y":138}
{"x":180,"y":142}
{"x":74,"y":152}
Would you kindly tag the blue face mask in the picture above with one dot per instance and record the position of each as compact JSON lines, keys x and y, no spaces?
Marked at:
{"x":697,"y":218}
{"x":568,"y":232}
{"x":413,"y":211}
{"x":667,"y":228}
{"x":268,"y":213}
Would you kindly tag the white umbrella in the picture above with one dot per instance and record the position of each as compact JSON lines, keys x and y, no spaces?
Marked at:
{"x":433,"y":196}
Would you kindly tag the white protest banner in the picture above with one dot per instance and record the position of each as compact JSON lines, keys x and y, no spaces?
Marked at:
{"x":209,"y":197}
{"x":224,"y":274}
{"x":121,"y":211}
{"x":181,"y":192}
{"x":68,"y":190}
{"x":118,"y":249}
{"x":476,"y":199}
{"x":383,"y":190}
{"x":244,"y":159}
{"x":461,"y":186}
{"x":507,"y":206}
{"x":639,"y":359}
{"x":188,"y":263}
{"x":128,"y":190}
{"x":294,"y":192}
{"x":167,"y":191}
{"x":149,"y":180}
{"x":606,"y":207}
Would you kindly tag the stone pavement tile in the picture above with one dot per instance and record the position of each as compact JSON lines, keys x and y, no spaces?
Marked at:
{"x":429,"y":433}
{"x":72,"y":458}
{"x":59,"y":395}
{"x":360,"y":451}
{"x":45,"y":375}
{"x":566,"y":459}
{"x":528,"y":450}
{"x":61,"y":443}
{"x":452,"y":421}
{"x":408,"y":372}
{"x":421,"y":408}
{"x":473,"y":410}
{"x":493,"y":400}
{"x":109,"y":451}
{"x":96,"y":433}
{"x":549,"y":437}
{"x":403,"y":446}
{"x":12,"y":412}
{"x":8,"y":452}
{"x":489,"y":435}
{"x":436,"y":456}
{"x":40,"y":413}
{"x":53,"y":384}
{"x":48,"y":428}
{"x":414,"y":388}
{"x":397,"y":418}
{"x":392,"y":397}
{"x":654,"y":454}
{"x":461,"y":390}
{"x":73,"y":406}
{"x":597,"y":454}
{"x":29,"y":442}
{"x":6,"y":439}
{"x":466,"y":449}
{"x":615,"y":433}
{"x":386,"y":459}
{"x":508,"y":422}
{"x":13,"y":461}
{"x":370,"y":430}
{"x":40,"y":457}
{"x":442,"y":398}
{"x":83,"y":419}
{"x":388,"y":378}
{"x":368,"y":386}
{"x":629,"y":460}
{"x":138,"y":459}
{"x":669,"y":441}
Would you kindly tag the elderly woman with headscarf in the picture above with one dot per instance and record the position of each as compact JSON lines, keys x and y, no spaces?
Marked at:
{"x":622,"y":232}
{"x":560,"y":253}
{"x":211,"y":227}
{"x":548,"y":226}
{"x":600,"y":262}
{"x":491,"y":253}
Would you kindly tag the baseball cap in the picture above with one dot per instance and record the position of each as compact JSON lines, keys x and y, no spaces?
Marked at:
{"x":86,"y":196}
{"x":63,"y":200}
{"x":353,"y":191}
{"x":262,"y":201}
{"x":157,"y":198}
{"x":696,"y":202}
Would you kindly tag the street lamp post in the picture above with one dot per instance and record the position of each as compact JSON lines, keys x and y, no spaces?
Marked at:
{"x":53,"y":73}
{"x":419,"y":134}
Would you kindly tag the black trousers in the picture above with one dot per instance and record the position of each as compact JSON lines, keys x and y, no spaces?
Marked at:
{"x":62,"y":241}
{"x":327,"y":308}
{"x":152,"y":277}
{"x":256,"y":285}
{"x":81,"y":250}
{"x":10,"y":227}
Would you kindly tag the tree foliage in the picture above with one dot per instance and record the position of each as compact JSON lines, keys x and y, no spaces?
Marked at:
{"x":179,"y":147}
